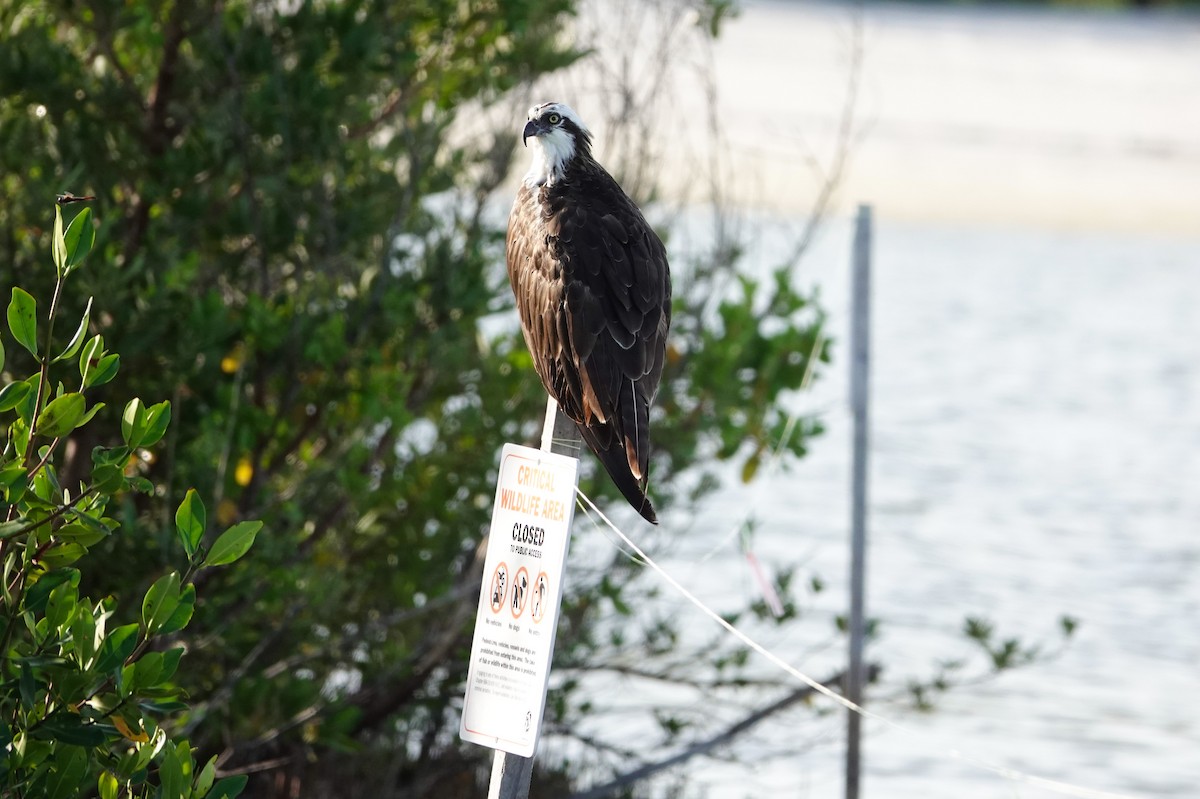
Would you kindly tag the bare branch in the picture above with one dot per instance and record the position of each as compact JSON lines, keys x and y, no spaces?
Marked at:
{"x":706,"y":746}
{"x":831,"y":179}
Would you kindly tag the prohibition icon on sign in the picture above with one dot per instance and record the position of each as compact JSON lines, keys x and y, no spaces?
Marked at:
{"x":499,"y":587}
{"x":520,"y":592}
{"x":541,"y":589}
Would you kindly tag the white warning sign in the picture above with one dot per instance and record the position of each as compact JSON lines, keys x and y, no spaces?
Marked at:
{"x":519,"y":600}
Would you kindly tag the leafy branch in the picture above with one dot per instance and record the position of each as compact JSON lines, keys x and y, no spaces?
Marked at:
{"x":84,"y":702}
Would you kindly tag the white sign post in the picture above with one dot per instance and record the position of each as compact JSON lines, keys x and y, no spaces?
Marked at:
{"x":519,"y":600}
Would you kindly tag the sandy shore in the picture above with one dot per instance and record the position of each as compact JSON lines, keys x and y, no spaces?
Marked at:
{"x":1025,"y":117}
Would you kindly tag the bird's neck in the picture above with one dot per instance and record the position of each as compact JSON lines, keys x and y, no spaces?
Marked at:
{"x":553,"y":155}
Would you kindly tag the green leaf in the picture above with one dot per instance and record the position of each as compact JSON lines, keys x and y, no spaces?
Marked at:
{"x":83,"y":634}
{"x":39,"y":593}
{"x":184,"y":750}
{"x":190,"y":522}
{"x":58,"y":245}
{"x":60,"y":607}
{"x":61,"y":416}
{"x":90,"y":356}
{"x":81,"y":534}
{"x":1,"y":355}
{"x":80,"y":332}
{"x":43,"y":661}
{"x":116,"y":456}
{"x":22,"y":319}
{"x":139,"y":758}
{"x":117,"y":646}
{"x":103,"y":525}
{"x":108,"y":786}
{"x":182,"y":614}
{"x":108,"y":478}
{"x":163,"y":706}
{"x":78,"y":239}
{"x":27,"y":405}
{"x":233,"y":543}
{"x":68,"y":771}
{"x":11,"y":474}
{"x":105,"y":370}
{"x":133,"y":423}
{"x":45,"y":482}
{"x":87,"y":417}
{"x":9,"y":529}
{"x":69,"y":728}
{"x":138,"y":483}
{"x":160,"y":602}
{"x":12,"y":394}
{"x":20,"y":436}
{"x":158,"y":417}
{"x":62,"y":555}
{"x":170,"y":773}
{"x":27,"y":687}
{"x":750,"y":467}
{"x":171,"y":657}
{"x":205,"y":779}
{"x":146,"y":671}
{"x":229,"y":787}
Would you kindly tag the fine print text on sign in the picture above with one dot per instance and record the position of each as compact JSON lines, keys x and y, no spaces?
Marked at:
{"x":519,"y":599}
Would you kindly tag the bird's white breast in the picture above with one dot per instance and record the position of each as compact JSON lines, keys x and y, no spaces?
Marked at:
{"x":551,"y":152}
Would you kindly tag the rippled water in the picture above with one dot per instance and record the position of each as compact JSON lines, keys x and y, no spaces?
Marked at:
{"x":1036,"y":452}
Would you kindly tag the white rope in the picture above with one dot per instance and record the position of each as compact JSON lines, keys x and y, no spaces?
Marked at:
{"x":1055,"y":786}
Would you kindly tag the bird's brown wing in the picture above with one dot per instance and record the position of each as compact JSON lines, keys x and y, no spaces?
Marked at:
{"x":617,"y":299}
{"x":594,"y":296}
{"x":536,"y":279}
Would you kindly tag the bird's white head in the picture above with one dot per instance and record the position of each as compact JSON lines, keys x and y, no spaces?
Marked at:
{"x":557,"y":135}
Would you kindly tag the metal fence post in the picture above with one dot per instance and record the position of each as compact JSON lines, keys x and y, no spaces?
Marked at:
{"x":860,"y":341}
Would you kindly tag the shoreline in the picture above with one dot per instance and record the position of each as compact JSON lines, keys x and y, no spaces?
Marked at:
{"x":997,"y":116}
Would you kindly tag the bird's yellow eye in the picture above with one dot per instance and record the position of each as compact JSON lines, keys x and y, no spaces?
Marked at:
{"x":554,"y":119}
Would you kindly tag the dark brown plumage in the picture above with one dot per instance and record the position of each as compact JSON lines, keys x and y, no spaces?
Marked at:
{"x":593,"y":292}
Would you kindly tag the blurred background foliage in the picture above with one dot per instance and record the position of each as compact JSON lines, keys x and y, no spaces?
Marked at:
{"x":301,"y":209}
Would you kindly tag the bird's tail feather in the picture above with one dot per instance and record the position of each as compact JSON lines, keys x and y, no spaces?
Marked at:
{"x":612,"y":454}
{"x":635,"y":421}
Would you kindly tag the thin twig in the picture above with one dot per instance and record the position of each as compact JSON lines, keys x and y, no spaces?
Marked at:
{"x":831,"y":180}
{"x":705,"y":746}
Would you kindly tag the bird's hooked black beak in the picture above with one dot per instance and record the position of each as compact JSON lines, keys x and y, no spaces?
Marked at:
{"x":532,"y":128}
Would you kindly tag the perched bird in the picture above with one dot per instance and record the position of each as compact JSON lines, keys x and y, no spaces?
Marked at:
{"x":594,"y":295}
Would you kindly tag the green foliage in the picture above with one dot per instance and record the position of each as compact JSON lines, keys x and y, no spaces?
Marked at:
{"x":1010,"y":652}
{"x":714,"y":13}
{"x":83,"y":698}
{"x":997,"y":656}
{"x":22,"y":319}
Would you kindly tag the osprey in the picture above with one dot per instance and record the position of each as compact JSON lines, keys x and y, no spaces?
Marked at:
{"x":594,"y":295}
